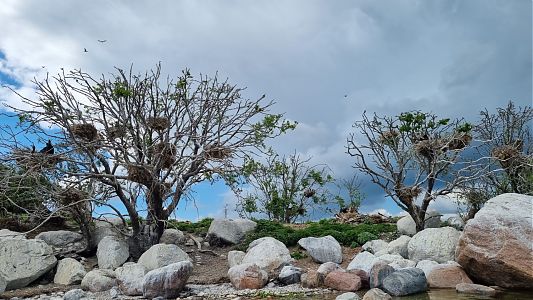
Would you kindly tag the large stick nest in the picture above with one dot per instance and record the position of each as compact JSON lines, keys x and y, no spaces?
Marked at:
{"x":116,"y":132}
{"x":428,"y":148}
{"x":308,"y":193}
{"x":409,"y":193}
{"x":85,"y":131}
{"x":71,"y":195}
{"x":158,"y":123}
{"x":389,"y":138}
{"x":459,"y":142}
{"x":35,"y":160}
{"x":217,"y":151}
{"x":507,"y":155}
{"x":139,"y":174}
{"x":165,"y":153}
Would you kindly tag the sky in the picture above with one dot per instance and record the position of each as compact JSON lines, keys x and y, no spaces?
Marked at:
{"x":322,"y":62}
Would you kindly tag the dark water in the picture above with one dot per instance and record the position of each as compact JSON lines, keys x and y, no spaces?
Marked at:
{"x":443,"y":294}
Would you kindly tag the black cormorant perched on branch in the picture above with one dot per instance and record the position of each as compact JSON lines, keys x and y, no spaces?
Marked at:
{"x":48,"y":149}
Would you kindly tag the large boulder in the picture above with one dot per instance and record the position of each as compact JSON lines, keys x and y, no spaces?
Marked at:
{"x":99,"y":280}
{"x":112,"y":252}
{"x":168,"y":281}
{"x":399,"y":246}
{"x":172,"y":236}
{"x":495,"y":247}
{"x":290,"y":275}
{"x":311,"y":279}
{"x":326,"y":268}
{"x":106,"y":227}
{"x":229,"y":232}
{"x":323,"y":249}
{"x":130,"y":278}
{"x":447,"y":276}
{"x":63,"y":241}
{"x":406,"y":225}
{"x":23,"y":261}
{"x":375,"y":246}
{"x":235,"y":257}
{"x":270,"y":254}
{"x":378,"y":273}
{"x":343,"y":281}
{"x":3,"y":284}
{"x":427,"y":265}
{"x":247,"y":276}
{"x":405,"y":282}
{"x":396,"y":261}
{"x":69,"y":271}
{"x":363,"y":261}
{"x":161,"y":255}
{"x":436,"y":244}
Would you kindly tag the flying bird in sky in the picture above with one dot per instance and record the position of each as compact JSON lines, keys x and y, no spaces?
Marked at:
{"x":85,"y":50}
{"x":102,"y":41}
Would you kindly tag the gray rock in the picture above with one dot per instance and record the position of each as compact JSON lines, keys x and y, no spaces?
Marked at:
{"x":378,"y":273}
{"x":399,"y":246}
{"x":23,"y":261}
{"x":348,"y":296}
{"x":323,"y":249}
{"x":290,"y":275}
{"x":161,"y":255}
{"x":363,"y":261}
{"x":375,"y":246}
{"x":235,"y":257}
{"x":396,"y":261}
{"x":427,"y":265}
{"x":269,"y":255}
{"x":112,"y":252}
{"x":247,"y":276}
{"x":172,"y":236}
{"x":407,"y":226}
{"x":63,"y":241}
{"x":99,"y":280}
{"x":130,"y":279}
{"x":376,"y":294}
{"x":69,"y":271}
{"x":8,"y":234}
{"x":454,"y":221}
{"x":436,"y":244}
{"x":75,"y":294}
{"x":225,"y":231}
{"x":167,"y":281}
{"x":475,"y":289}
{"x":111,"y":227}
{"x":405,"y":282}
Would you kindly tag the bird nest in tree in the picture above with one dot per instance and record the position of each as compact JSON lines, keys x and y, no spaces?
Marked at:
{"x":35,"y":160}
{"x":85,"y":131}
{"x":139,"y":174}
{"x":507,"y":155}
{"x":217,"y":151}
{"x":308,"y":193}
{"x":408,"y":194}
{"x":165,"y":153}
{"x":71,"y":195}
{"x":458,"y":142}
{"x":116,"y":132}
{"x":428,"y":148}
{"x":389,"y":137}
{"x":158,"y":123}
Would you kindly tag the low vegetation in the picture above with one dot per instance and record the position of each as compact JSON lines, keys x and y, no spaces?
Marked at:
{"x":345,"y":234}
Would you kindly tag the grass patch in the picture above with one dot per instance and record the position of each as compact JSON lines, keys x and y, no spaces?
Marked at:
{"x":345,"y":234}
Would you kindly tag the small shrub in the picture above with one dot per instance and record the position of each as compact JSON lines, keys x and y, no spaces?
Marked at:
{"x":298,"y":255}
{"x":365,"y":237}
{"x":198,"y":228}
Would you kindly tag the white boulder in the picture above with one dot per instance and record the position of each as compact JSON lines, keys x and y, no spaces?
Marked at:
{"x":436,"y":244}
{"x":269,"y":254}
{"x":226,"y":231}
{"x":323,"y":249}
{"x":168,"y":281}
{"x":130,"y":278}
{"x":161,"y":255}
{"x":406,"y":225}
{"x":112,"y":252}
{"x":69,"y":271}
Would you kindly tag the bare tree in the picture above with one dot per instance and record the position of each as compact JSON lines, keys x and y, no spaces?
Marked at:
{"x":507,"y":139}
{"x":414,"y":157}
{"x":281,"y":188}
{"x":143,"y":138}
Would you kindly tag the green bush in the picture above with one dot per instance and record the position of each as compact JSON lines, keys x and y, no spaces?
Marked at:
{"x":298,"y":255}
{"x":345,"y":234}
{"x":199,"y":228}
